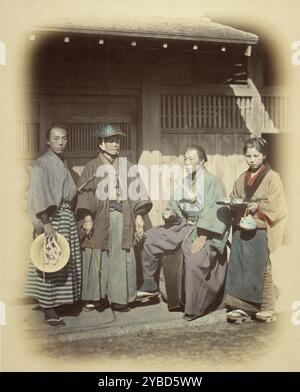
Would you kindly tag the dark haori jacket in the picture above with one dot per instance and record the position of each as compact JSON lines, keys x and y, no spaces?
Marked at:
{"x":214,"y":220}
{"x":266,"y":188}
{"x":51,"y":184}
{"x":90,"y":202}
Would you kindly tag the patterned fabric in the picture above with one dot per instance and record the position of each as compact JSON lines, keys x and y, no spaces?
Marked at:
{"x":64,"y":286}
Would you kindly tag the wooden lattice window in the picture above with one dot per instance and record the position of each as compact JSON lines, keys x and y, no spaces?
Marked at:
{"x":204,"y":112}
{"x":275,"y":113}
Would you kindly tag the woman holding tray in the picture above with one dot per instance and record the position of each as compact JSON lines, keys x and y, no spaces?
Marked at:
{"x":249,"y":285}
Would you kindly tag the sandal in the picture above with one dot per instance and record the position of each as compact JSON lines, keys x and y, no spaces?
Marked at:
{"x":238,"y":316}
{"x":190,"y":317}
{"x":120,"y":307}
{"x":55,"y":322}
{"x":52,"y":318}
{"x":91,"y":306}
{"x":266,"y":316}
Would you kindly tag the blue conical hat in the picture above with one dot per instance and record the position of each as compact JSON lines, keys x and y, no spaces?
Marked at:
{"x":109,"y":130}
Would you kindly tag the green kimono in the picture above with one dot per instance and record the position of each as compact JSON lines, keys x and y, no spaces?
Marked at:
{"x":205,"y":270}
{"x":212,"y":219}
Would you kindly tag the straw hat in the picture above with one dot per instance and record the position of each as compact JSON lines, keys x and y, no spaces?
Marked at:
{"x":37,"y":256}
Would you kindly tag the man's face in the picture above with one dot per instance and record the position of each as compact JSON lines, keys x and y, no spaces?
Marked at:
{"x":58,"y":140}
{"x":111,"y":145}
{"x":191,"y":161}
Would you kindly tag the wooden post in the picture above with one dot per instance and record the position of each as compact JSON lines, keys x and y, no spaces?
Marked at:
{"x":255,"y":80}
{"x":151,"y":129}
{"x":44,"y":124}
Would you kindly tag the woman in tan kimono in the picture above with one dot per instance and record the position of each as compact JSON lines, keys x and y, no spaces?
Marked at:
{"x":249,"y":285}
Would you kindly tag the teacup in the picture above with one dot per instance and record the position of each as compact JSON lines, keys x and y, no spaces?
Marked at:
{"x":247,"y":223}
{"x":238,"y":200}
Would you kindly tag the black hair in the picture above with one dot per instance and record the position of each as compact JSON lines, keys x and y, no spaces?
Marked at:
{"x":48,"y":132}
{"x":200,"y":150}
{"x":100,"y":140}
{"x":259,"y":143}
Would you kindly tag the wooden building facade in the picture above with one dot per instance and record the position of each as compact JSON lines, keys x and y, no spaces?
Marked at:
{"x":167,"y":85}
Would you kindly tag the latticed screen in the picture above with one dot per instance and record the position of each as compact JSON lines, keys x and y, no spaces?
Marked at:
{"x":213,"y":112}
{"x":276,"y":112}
{"x":204,"y":112}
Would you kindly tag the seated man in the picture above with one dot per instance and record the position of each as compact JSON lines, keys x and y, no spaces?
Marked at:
{"x":201,"y":227}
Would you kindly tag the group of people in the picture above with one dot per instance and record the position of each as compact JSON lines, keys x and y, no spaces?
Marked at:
{"x":103,"y":221}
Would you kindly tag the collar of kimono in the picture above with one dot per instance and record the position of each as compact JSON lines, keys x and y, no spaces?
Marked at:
{"x":110,"y":160}
{"x":54,"y":155}
{"x":251,"y":184}
{"x":199,"y":172}
{"x":250,"y":179}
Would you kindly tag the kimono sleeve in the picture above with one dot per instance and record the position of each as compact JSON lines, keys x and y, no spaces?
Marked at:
{"x":172,"y":206}
{"x":274,"y":208}
{"x":142,"y":205}
{"x":213,"y":217}
{"x":238,"y":185}
{"x":40,"y":195}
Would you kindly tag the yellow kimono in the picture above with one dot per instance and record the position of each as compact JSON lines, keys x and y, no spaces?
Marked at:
{"x":272,"y":207}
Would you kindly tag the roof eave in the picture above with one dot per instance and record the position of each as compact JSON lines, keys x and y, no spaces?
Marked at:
{"x":251,"y":39}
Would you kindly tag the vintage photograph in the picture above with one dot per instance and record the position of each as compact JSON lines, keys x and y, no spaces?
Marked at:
{"x":149,"y":171}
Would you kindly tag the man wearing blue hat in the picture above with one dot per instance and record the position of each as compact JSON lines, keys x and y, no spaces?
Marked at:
{"x":111,"y":222}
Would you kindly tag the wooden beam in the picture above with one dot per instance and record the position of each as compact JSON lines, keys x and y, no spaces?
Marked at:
{"x":96,"y":91}
{"x":151,"y":128}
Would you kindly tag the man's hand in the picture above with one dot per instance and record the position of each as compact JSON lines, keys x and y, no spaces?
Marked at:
{"x":88,"y":224}
{"x":198,"y":244}
{"x":190,"y":198}
{"x":49,"y":230}
{"x":252,"y":207}
{"x":139,"y":227}
{"x":169,"y":217}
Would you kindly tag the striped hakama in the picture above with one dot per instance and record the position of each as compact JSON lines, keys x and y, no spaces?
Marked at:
{"x":64,"y":286}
